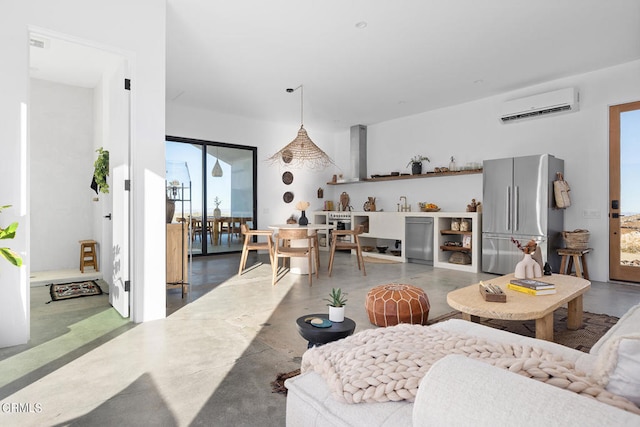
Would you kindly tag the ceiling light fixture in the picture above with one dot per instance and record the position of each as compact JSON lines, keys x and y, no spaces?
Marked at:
{"x":216,"y":172}
{"x":302,"y":151}
{"x":360,"y":25}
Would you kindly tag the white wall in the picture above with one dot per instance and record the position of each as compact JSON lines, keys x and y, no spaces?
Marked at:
{"x":470,"y":132}
{"x":269,"y":138}
{"x":140,"y":36}
{"x":61,"y":171}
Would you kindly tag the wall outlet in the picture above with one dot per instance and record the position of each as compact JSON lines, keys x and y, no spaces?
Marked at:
{"x":591,"y":213}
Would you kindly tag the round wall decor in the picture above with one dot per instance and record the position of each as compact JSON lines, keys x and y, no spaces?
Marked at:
{"x":287,"y":156}
{"x":287,"y":177}
{"x":288,"y":197}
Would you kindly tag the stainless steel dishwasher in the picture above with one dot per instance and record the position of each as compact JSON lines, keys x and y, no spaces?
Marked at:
{"x":419,"y":239}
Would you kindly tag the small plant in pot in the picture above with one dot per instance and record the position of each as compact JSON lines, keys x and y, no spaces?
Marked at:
{"x":337,"y":300}
{"x":416,"y":164}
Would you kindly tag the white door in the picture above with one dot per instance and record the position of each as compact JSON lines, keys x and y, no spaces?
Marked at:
{"x":118,"y":122}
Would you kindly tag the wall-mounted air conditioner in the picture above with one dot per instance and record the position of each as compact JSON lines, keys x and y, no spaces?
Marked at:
{"x":544,"y":104}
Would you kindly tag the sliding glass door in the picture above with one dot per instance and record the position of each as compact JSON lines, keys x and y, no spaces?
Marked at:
{"x":223,"y":188}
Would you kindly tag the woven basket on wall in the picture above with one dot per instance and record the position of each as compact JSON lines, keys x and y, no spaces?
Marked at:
{"x":576,"y":239}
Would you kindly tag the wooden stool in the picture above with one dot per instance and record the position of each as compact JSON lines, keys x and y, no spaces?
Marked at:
{"x":88,"y":255}
{"x":577,"y":257}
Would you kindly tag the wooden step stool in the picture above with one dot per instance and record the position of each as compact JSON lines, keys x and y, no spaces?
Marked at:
{"x":577,"y":257}
{"x":88,"y":255}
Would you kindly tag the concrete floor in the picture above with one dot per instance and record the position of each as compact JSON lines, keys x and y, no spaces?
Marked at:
{"x":211,"y":361}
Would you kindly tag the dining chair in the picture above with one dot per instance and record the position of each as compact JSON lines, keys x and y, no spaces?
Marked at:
{"x":250,"y":245}
{"x":284,"y":249}
{"x":196,"y":228}
{"x":338,"y":241}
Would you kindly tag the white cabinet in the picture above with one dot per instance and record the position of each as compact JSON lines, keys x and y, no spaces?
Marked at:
{"x":388,"y":229}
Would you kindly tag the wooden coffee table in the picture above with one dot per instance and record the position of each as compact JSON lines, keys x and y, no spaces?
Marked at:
{"x":521,"y":306}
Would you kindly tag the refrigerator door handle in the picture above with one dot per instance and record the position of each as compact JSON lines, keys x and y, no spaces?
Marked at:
{"x":516,"y":209}
{"x":508,"y":209}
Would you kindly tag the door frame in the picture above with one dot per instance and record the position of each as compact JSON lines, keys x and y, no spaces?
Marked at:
{"x":616,"y":270}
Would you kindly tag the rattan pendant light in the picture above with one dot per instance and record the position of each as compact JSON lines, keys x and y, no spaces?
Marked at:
{"x":301,"y":152}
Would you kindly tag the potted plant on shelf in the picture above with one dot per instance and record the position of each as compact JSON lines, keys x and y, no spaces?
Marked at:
{"x":9,"y":233}
{"x":337,"y":301}
{"x":416,"y":164}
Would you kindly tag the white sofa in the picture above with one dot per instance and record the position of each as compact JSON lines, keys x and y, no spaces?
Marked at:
{"x":459,"y":391}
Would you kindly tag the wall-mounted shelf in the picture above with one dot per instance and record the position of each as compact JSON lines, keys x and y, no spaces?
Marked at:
{"x":400,"y":177}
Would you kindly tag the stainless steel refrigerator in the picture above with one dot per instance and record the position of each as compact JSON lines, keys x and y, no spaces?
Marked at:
{"x":518,"y":203}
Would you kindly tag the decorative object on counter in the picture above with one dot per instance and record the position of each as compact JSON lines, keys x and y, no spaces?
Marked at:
{"x":216,"y":212}
{"x":292,"y":220}
{"x":287,"y":197}
{"x":370,"y":205}
{"x":528,"y":268}
{"x":439,"y":170}
{"x":287,"y":177}
{"x":576,"y":239}
{"x":473,"y":206}
{"x":561,"y":192}
{"x":465,"y":225}
{"x":302,"y":151}
{"x":328,"y":205}
{"x":416,"y":164}
{"x":452,"y":165}
{"x":302,"y":206}
{"x":547,"y":269}
{"x":428,"y":207}
{"x":455,"y":224}
{"x":337,"y":300}
{"x":320,"y":193}
{"x":344,"y":201}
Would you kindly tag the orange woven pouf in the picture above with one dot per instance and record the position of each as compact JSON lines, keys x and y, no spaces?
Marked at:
{"x":388,"y":305}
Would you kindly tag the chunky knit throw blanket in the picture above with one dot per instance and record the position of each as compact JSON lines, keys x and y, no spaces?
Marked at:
{"x":387,"y":364}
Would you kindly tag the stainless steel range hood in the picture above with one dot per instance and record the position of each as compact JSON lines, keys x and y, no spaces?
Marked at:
{"x":358,"y":153}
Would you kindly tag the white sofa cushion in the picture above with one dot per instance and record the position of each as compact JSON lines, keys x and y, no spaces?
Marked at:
{"x":628,"y":324}
{"x":459,"y":391}
{"x":310,"y":404}
{"x":618,"y":366}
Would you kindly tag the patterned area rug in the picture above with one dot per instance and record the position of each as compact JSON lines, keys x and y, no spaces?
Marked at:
{"x":594,"y":326}
{"x":62,"y":291}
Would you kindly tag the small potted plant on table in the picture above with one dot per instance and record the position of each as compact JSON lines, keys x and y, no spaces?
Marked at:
{"x":337,"y":300}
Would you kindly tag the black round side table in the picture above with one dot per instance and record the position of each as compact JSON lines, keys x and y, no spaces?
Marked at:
{"x":318,"y":336}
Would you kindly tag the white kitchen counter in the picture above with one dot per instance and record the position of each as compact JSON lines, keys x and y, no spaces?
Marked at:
{"x":385,"y":228}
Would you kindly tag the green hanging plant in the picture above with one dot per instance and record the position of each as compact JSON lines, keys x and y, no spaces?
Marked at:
{"x":9,"y":233}
{"x":101,"y":170}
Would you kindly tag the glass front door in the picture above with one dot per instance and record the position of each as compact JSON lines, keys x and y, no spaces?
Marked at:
{"x":624,"y":193}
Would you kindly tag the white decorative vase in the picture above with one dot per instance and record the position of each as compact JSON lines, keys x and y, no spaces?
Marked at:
{"x":217,"y":213}
{"x":336,"y":314}
{"x":528,"y":268}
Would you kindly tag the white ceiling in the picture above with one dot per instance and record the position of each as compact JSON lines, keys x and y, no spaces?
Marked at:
{"x":238,"y":57}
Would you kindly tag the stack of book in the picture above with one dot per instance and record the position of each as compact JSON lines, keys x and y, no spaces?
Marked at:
{"x":532,"y":287}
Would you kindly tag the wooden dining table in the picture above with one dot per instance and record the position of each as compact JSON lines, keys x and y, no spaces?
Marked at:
{"x":233,"y":223}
